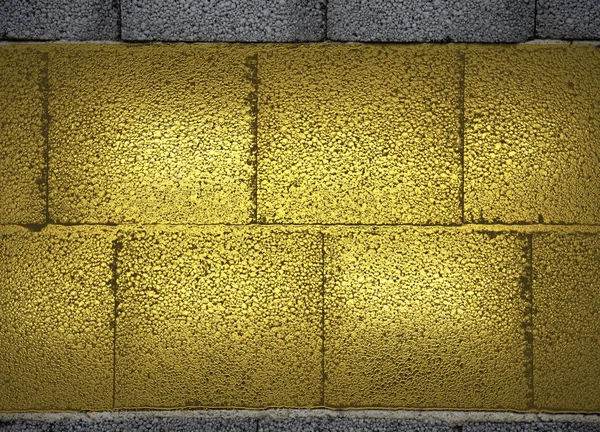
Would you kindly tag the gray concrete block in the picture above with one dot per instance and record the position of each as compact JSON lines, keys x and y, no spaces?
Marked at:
{"x":568,"y":19}
{"x":224,"y":20}
{"x":148,"y":424}
{"x":25,"y":426}
{"x":431,"y":20}
{"x":59,"y":19}
{"x":350,"y":425}
{"x":531,"y":427}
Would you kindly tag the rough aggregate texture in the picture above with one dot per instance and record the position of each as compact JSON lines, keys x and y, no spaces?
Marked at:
{"x":59,"y":19}
{"x":532,"y":134}
{"x":431,"y":20}
{"x":530,"y":427}
{"x":151,"y":134}
{"x":567,"y":322}
{"x":359,"y":134}
{"x":219,"y":317}
{"x":56,"y":309}
{"x":350,"y":425}
{"x":22,"y":189}
{"x":568,"y":19}
{"x":426,"y":318}
{"x":224,"y":20}
{"x":139,"y":425}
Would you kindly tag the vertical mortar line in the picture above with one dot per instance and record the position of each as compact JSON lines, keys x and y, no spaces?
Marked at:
{"x":116,"y":245}
{"x":322,"y":319}
{"x":45,"y":90}
{"x":252,"y":64}
{"x":325,"y":18}
{"x":119,"y":8}
{"x":535,"y":13}
{"x":529,"y":326}
{"x":461,"y":132}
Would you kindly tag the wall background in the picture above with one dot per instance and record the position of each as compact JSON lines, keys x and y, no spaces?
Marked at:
{"x":492,"y":21}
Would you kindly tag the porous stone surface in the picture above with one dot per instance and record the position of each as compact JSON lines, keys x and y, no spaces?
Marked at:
{"x":530,"y":427}
{"x":59,"y":19}
{"x":219,"y":316}
{"x":429,"y":21}
{"x":567,"y":321}
{"x":350,"y":425}
{"x":56,"y":308}
{"x":134,"y":424}
{"x":532,"y":134}
{"x":22,"y":189}
{"x":568,"y":19}
{"x":425,"y":318}
{"x":225,"y":20}
{"x":359,"y":134}
{"x":150,"y":134}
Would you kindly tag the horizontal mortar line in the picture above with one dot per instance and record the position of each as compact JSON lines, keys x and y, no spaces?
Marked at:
{"x":524,"y":227}
{"x":452,"y":417}
{"x":592,"y":42}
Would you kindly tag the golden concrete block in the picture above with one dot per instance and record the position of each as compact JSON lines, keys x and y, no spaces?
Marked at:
{"x":219,"y":317}
{"x":151,"y":134}
{"x":359,"y":134}
{"x":426,"y":318}
{"x":532,"y":134}
{"x":22,"y":146}
{"x":56,"y":309}
{"x":566,"y":293}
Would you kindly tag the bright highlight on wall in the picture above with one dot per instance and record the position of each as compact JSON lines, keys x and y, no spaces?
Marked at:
{"x":299,"y":226}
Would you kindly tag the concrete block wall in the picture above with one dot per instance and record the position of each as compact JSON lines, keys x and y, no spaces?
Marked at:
{"x":300,"y":20}
{"x":324,"y":225}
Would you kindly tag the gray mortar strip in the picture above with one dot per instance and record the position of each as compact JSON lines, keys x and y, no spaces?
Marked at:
{"x":453,"y":418}
{"x":595,"y":43}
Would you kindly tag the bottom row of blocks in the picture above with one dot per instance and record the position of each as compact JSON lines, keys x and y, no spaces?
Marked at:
{"x":298,"y":317}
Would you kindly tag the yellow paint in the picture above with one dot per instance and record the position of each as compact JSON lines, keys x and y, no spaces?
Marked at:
{"x":425,"y":319}
{"x":359,"y":134}
{"x":151,"y":134}
{"x":56,"y":308}
{"x":22,"y":189}
{"x":219,"y":317}
{"x":532,"y":134}
{"x":234,"y":315}
{"x":566,"y":290}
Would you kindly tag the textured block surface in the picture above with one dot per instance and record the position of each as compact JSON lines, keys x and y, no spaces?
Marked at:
{"x":231,"y":20}
{"x":532,"y":134}
{"x":567,"y":321}
{"x":359,"y":134}
{"x":429,"y":21}
{"x":56,"y":308}
{"x":147,"y":424}
{"x":59,"y":19}
{"x":350,"y":425}
{"x":568,"y":19}
{"x":219,"y":317}
{"x":425,"y":318}
{"x":22,"y":189}
{"x":151,"y":134}
{"x":530,"y":427}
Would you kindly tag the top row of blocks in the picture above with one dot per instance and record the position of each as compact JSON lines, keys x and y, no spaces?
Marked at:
{"x":299,"y":134}
{"x":301,"y":20}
